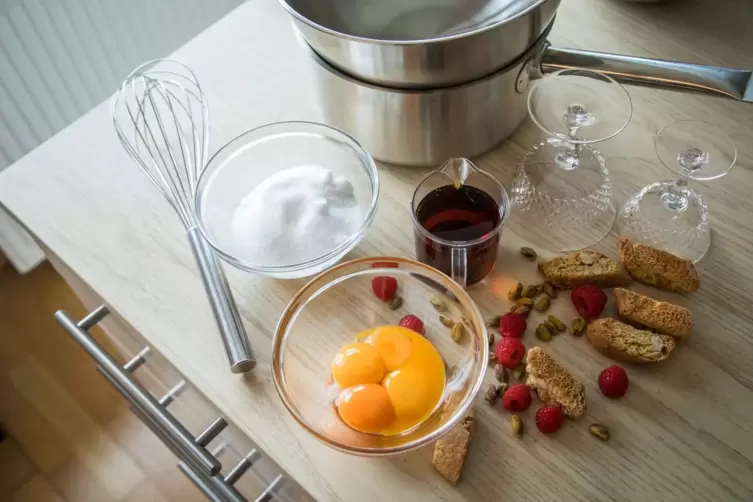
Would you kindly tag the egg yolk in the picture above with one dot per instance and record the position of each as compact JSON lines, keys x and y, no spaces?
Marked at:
{"x":394,"y":344}
{"x":408,"y":390}
{"x":393,"y":378}
{"x":416,"y":388}
{"x":357,"y":363}
{"x":366,"y":408}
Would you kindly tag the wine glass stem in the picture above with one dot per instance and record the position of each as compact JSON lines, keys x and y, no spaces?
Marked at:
{"x":568,"y":157}
{"x":676,"y":196}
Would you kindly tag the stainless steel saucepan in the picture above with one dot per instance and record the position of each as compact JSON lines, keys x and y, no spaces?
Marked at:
{"x":428,"y":126}
{"x":420,"y":81}
{"x":421,"y":44}
{"x":427,"y":44}
{"x":425,"y":127}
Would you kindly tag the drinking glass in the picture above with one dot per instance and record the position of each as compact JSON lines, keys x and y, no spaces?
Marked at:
{"x":669,"y":214}
{"x":562,"y":193}
{"x":466,"y":261}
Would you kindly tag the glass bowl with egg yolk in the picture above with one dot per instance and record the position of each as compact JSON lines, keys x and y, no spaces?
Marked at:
{"x":360,"y":383}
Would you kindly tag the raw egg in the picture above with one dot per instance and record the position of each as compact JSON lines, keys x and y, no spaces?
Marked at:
{"x":394,"y":344}
{"x":415,"y":388}
{"x":366,"y":408}
{"x":357,"y":363}
{"x":393,"y":379}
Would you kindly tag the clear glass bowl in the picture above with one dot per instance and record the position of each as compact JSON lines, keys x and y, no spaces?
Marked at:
{"x":247,"y":160}
{"x":337,"y":305}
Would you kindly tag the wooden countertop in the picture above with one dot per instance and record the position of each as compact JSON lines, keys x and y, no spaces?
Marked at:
{"x":684,"y":431}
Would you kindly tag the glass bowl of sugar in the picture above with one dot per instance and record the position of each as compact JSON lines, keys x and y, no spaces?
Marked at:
{"x":288,"y":199}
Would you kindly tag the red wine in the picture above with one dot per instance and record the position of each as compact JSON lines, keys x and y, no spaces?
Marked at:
{"x":459,"y":215}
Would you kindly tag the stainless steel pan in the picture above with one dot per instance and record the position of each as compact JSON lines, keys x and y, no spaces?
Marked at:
{"x":428,"y":44}
{"x":421,"y":43}
{"x":426,"y":127}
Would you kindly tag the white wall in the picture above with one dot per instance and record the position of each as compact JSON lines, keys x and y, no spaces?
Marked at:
{"x":59,"y":58}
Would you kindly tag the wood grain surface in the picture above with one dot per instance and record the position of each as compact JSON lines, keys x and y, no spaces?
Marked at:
{"x":683,"y":432}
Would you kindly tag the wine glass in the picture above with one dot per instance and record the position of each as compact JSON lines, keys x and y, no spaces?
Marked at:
{"x":669,"y":214}
{"x":563,"y":183}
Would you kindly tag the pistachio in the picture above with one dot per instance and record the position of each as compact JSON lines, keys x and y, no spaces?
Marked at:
{"x":550,"y":326}
{"x":528,"y":291}
{"x":577,"y":326}
{"x":514,"y":293}
{"x":557,"y":323}
{"x":438,"y":303}
{"x":543,"y":333}
{"x":549,"y":290}
{"x":395,"y":302}
{"x":542,"y":304}
{"x":501,"y":374}
{"x":493,"y":322}
{"x":519,"y":372}
{"x":528,"y":253}
{"x":458,"y":331}
{"x":446,"y":321}
{"x":490,"y":339}
{"x":491,"y":394}
{"x":527,"y":302}
{"x":600,"y":431}
{"x":521,"y":309}
{"x":517,"y":425}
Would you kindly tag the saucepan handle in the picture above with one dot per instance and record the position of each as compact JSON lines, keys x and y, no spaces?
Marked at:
{"x":718,"y":81}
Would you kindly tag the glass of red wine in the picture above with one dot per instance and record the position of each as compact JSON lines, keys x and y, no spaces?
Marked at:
{"x":458,"y":212}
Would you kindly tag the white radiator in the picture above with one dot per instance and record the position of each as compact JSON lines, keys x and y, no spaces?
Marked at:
{"x":60,"y":58}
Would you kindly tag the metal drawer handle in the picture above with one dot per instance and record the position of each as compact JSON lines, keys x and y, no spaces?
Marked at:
{"x":219,"y":489}
{"x":215,"y":488}
{"x":155,"y":416}
{"x":275,"y":485}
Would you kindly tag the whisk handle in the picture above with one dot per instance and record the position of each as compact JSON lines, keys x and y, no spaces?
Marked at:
{"x":223,"y":305}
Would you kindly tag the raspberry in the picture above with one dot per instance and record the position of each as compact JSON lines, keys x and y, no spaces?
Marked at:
{"x":510,"y":352}
{"x":613,"y":382}
{"x":413,"y":323}
{"x":517,"y":397}
{"x":549,"y":419}
{"x":588,"y":300}
{"x":384,"y":287}
{"x":512,"y":324}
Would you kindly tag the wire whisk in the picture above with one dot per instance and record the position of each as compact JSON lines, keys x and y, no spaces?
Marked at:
{"x":161,"y":117}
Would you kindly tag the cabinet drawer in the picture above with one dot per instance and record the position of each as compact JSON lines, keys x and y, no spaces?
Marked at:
{"x":178,"y":400}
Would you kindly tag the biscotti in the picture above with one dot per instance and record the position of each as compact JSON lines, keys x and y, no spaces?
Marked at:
{"x":663,"y":317}
{"x":584,"y":267}
{"x":554,"y":384}
{"x":623,"y":342}
{"x":450,"y":451}
{"x":658,"y":268}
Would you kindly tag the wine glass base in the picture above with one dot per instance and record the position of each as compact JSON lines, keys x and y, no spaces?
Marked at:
{"x":562,"y":209}
{"x":646,"y":218}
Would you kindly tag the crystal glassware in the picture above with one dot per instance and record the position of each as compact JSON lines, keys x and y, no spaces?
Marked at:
{"x":562,"y":183}
{"x":669,"y":214}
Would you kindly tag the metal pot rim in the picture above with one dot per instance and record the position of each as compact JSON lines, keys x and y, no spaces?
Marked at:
{"x":425,"y":41}
{"x":534,"y":51}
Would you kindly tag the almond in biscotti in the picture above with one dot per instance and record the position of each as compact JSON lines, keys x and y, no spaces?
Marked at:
{"x":663,"y":317}
{"x":658,"y":268}
{"x":584,"y":267}
{"x":622,"y":342}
